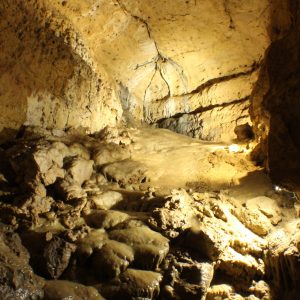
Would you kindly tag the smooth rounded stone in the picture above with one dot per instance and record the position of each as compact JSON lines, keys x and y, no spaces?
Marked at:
{"x":267,"y":206}
{"x":63,"y":289}
{"x":110,"y":153}
{"x":112,"y":259}
{"x":150,"y":246}
{"x":205,"y":240}
{"x":79,"y":150}
{"x":126,"y":172}
{"x":78,"y":170}
{"x":107,"y":200}
{"x":93,"y":240}
{"x":57,"y":255}
{"x":254,"y":220}
{"x":106,"y":219}
{"x":133,"y":284}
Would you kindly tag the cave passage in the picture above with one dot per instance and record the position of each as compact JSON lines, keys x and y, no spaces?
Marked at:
{"x":149,"y":149}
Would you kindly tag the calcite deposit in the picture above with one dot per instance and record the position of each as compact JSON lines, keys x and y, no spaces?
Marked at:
{"x":175,"y":64}
{"x":149,"y":149}
{"x":77,"y":231}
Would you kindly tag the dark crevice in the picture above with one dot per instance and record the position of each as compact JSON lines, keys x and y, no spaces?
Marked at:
{"x":203,"y":109}
{"x":227,"y":12}
{"x":160,"y":58}
{"x":214,"y":81}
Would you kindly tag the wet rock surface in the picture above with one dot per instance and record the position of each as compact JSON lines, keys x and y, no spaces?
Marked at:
{"x":73,"y":232}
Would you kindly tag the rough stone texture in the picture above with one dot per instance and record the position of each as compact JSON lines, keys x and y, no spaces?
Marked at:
{"x":93,"y":63}
{"x":191,"y":243}
{"x":17,"y":280}
{"x":275,"y":109}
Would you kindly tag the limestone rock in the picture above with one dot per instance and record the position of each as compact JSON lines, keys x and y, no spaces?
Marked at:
{"x":126,"y":172}
{"x":95,"y":239}
{"x":57,"y":255}
{"x":150,"y":247}
{"x":69,"y":191}
{"x":241,"y":266}
{"x":185,"y":277}
{"x":254,"y":220}
{"x":174,"y":216}
{"x":63,"y":289}
{"x":133,"y":284}
{"x":110,"y":153}
{"x":16,"y":276}
{"x":78,"y":170}
{"x":78,"y":149}
{"x":112,"y":259}
{"x":267,"y":206}
{"x":107,"y":200}
{"x":106,"y":219}
{"x":206,"y":241}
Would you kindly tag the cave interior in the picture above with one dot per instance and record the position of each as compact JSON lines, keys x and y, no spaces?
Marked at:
{"x":150,"y":149}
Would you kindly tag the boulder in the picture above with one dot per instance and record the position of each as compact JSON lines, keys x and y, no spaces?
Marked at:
{"x":63,"y":289}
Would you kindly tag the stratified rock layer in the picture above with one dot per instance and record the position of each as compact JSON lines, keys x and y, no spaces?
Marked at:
{"x":175,"y":64}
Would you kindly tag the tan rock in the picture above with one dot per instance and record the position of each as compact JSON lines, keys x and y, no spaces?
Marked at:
{"x":79,"y":170}
{"x":267,"y":206}
{"x":112,"y":259}
{"x":254,"y":220}
{"x":60,"y":289}
{"x":107,"y":200}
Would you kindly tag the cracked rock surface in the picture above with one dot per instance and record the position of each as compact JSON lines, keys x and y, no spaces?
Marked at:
{"x":174,"y":64}
{"x":85,"y":234}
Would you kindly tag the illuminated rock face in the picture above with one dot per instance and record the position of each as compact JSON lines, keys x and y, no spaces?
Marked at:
{"x":179,"y":64}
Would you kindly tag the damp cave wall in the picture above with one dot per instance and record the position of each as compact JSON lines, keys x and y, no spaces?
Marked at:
{"x":198,"y":67}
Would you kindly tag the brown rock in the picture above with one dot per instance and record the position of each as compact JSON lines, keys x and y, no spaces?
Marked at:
{"x":16,"y":276}
{"x":78,"y":170}
{"x":255,"y":220}
{"x":150,"y":246}
{"x":126,"y":172}
{"x":112,"y":259}
{"x":110,"y":153}
{"x":57,"y":255}
{"x":62,"y":289}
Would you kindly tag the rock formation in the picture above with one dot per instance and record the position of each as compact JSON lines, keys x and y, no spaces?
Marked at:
{"x":116,"y":228}
{"x":99,"y":199}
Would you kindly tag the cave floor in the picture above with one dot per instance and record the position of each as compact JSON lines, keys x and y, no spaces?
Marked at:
{"x":142,"y":214}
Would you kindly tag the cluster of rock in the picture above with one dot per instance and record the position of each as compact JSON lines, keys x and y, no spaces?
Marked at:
{"x":79,"y":225}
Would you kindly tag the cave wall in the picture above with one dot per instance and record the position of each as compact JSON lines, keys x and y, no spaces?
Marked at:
{"x":276,"y":105}
{"x":190,"y":66}
{"x":48,"y":78}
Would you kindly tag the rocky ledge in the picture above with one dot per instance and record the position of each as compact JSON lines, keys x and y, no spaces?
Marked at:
{"x":84,"y":218}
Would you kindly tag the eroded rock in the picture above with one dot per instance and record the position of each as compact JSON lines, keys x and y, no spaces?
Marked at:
{"x":126,"y":172}
{"x":112,"y":259}
{"x":57,"y":255}
{"x":150,"y":247}
{"x":62,"y":289}
{"x":17,"y":280}
{"x":133,"y":284}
